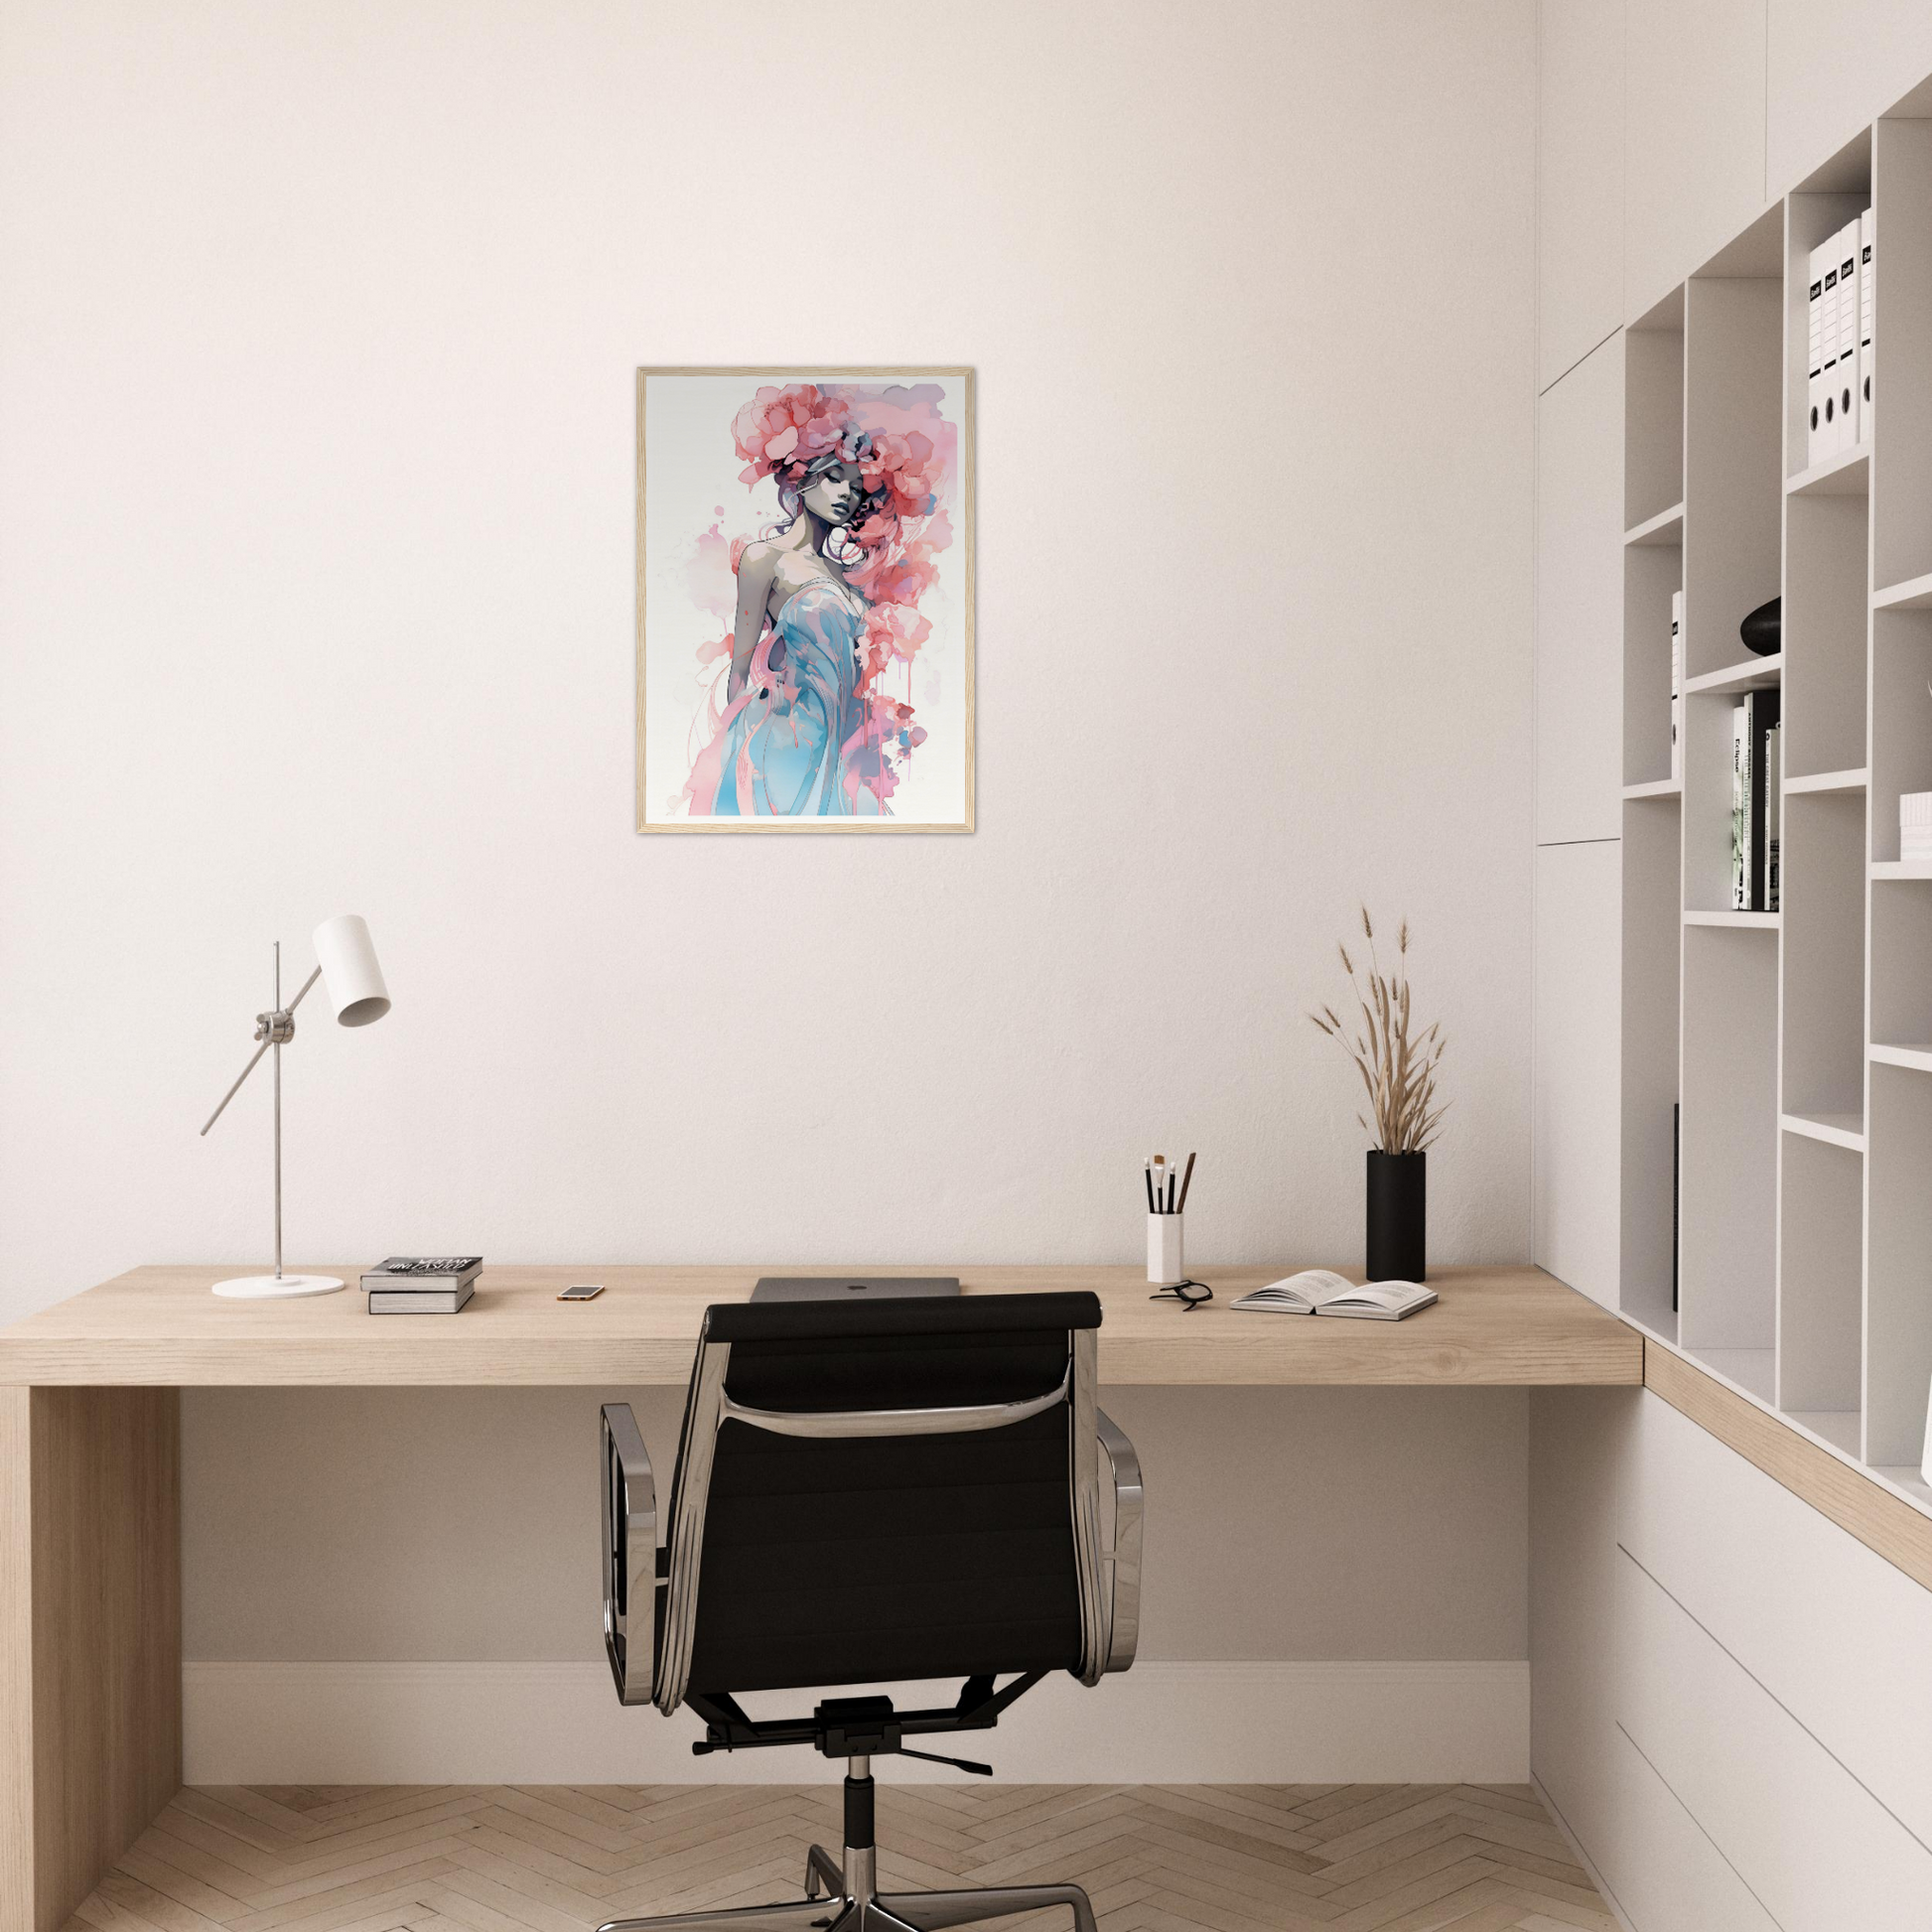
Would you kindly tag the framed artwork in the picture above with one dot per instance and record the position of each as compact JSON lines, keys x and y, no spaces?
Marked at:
{"x":805,"y":599}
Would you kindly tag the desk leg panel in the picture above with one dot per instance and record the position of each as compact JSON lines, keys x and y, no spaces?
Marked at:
{"x":90,"y":1637}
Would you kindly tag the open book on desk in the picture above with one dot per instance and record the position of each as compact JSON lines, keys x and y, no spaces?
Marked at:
{"x":1320,"y":1290}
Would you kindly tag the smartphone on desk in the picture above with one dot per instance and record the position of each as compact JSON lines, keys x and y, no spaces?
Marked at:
{"x":582,"y":1291}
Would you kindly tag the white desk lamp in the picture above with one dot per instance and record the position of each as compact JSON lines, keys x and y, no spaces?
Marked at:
{"x":352,"y":981}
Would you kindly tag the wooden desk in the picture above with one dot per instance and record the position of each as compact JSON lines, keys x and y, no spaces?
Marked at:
{"x":161,"y":1327}
{"x":89,"y":1462}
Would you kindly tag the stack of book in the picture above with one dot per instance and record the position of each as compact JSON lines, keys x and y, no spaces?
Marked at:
{"x":1755,"y":804}
{"x":1839,"y":314}
{"x":422,"y":1284}
{"x":1915,"y":826}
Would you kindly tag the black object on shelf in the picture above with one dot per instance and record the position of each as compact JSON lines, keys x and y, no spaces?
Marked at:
{"x":1398,"y":1216}
{"x":1763,"y":630}
{"x":1676,"y":1192}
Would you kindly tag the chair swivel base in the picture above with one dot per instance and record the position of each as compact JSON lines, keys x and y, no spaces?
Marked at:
{"x":849,"y":1904}
{"x":850,"y":1900}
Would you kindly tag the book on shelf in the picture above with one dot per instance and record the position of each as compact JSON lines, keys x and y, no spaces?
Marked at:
{"x":1761,"y":718}
{"x":1320,"y":1290}
{"x":1677,"y":687}
{"x":1740,"y":811}
{"x":1773,"y":809}
{"x":423,"y":1273}
{"x":1867,"y":301}
{"x":419,"y":1301}
{"x":1751,"y":723}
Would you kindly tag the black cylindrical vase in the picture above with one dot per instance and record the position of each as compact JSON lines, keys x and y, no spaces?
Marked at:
{"x":1398,"y":1216}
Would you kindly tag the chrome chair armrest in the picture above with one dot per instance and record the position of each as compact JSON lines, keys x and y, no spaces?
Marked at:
{"x":630,"y":1554}
{"x":1124,"y":1559}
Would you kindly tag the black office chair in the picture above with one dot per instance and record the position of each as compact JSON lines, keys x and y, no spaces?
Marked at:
{"x":866,"y":1494}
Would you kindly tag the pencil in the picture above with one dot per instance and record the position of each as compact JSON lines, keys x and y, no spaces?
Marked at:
{"x":1187,"y":1180}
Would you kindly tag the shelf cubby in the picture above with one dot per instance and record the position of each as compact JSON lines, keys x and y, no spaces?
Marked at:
{"x":1653,"y":435}
{"x":1901,"y":964}
{"x":1901,"y":401}
{"x":1730,"y":1083}
{"x":1707,"y":803}
{"x":1902,"y":719}
{"x":1823,"y":922}
{"x":1733,"y":480}
{"x":1652,"y":952}
{"x":1826,"y":612}
{"x":1652,"y":573}
{"x":1821,"y":1257}
{"x":1899,"y":1312}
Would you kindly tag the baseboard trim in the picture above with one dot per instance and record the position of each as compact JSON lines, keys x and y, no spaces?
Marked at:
{"x":560,"y":1724}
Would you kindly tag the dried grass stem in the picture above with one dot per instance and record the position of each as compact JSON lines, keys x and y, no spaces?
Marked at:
{"x":1398,"y":1067}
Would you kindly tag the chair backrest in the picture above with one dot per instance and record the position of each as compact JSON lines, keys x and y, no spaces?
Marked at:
{"x":884,"y":1491}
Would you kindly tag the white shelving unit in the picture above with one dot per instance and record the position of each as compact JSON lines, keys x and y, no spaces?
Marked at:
{"x":1797,"y":1044}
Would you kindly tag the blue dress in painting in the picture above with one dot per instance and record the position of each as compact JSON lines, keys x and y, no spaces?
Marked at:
{"x":793,"y":743}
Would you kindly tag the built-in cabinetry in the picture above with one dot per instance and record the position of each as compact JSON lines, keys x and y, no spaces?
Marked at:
{"x":1796,"y":1043}
{"x":1729,"y":1689}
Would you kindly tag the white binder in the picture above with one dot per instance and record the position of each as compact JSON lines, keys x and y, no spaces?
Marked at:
{"x":1827,"y":435}
{"x":1848,"y":336}
{"x":1817,"y":311}
{"x":1865,"y":303}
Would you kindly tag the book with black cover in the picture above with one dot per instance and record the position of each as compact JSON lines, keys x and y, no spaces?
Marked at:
{"x":414,"y":1274}
{"x":1760,"y":715}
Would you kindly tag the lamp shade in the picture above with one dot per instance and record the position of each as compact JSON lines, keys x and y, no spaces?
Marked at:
{"x":349,"y":975}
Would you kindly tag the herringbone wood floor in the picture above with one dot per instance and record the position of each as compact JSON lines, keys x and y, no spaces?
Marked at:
{"x":562,"y":1858}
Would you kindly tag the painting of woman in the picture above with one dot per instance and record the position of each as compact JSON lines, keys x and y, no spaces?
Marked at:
{"x":840,"y":696}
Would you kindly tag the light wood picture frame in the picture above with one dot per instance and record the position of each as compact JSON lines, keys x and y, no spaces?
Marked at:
{"x":804,"y":656}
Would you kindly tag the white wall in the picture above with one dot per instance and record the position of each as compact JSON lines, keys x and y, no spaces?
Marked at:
{"x":315,"y":453}
{"x":317,"y":336}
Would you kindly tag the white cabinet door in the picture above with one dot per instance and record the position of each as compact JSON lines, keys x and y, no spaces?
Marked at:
{"x":1833,"y":66}
{"x":1782,"y":1588}
{"x":1659,"y":1864}
{"x":1579,"y":179}
{"x":1692,"y":137}
{"x":1818,"y":1850}
{"x":1579,"y":602}
{"x":1575,"y":1202}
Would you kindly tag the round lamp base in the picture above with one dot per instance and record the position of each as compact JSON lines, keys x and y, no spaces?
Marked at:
{"x":276,"y":1288}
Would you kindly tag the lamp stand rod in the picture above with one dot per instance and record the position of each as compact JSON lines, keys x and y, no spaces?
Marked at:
{"x":276,"y":1035}
{"x":273,"y":1028}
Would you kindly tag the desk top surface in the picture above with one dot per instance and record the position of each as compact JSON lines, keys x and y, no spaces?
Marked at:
{"x":160,"y":1326}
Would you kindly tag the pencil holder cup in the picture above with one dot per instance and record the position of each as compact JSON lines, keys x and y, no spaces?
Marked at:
{"x":1164,"y":1249}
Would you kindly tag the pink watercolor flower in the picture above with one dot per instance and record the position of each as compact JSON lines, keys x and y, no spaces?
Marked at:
{"x":906,"y":454}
